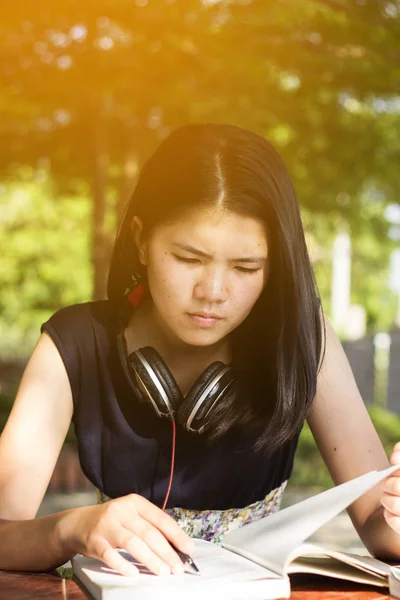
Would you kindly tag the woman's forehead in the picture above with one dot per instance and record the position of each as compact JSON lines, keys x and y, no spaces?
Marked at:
{"x":215,"y":227}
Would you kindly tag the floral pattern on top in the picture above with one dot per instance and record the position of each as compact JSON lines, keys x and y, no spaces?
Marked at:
{"x":212,"y":525}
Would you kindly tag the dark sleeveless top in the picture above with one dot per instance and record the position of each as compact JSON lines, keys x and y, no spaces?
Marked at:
{"x":125,"y":448}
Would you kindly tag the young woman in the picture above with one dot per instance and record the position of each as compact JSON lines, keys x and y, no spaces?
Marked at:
{"x":212,"y":322}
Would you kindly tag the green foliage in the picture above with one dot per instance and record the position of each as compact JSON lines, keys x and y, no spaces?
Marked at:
{"x":308,"y":78}
{"x":370,"y":266}
{"x":370,"y":259}
{"x":309,"y":469}
{"x":88,"y":87}
{"x":46,"y":263}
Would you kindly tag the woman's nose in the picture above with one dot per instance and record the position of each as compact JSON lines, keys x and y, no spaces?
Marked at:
{"x":212,"y":286}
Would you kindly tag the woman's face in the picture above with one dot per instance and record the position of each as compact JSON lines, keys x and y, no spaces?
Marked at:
{"x":205,"y":273}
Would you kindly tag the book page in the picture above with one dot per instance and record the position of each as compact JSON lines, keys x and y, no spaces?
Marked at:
{"x":311,"y":558}
{"x":222,"y":573}
{"x":272,"y":540}
{"x":215,"y":562}
{"x":367,"y":563}
{"x":330,"y":567}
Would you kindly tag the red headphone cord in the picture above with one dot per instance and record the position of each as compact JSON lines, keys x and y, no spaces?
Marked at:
{"x":172,"y":464}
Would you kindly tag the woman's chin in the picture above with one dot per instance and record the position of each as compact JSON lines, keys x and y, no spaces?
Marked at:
{"x":201,"y":338}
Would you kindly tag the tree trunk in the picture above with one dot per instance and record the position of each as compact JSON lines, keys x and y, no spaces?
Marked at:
{"x":128,"y":181}
{"x":99,"y":185}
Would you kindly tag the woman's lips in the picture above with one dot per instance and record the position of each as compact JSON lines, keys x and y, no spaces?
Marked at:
{"x":204,"y":321}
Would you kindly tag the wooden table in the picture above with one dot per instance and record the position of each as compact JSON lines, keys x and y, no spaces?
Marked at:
{"x":41,"y":586}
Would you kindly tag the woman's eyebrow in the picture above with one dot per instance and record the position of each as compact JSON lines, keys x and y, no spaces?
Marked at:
{"x":246,"y":259}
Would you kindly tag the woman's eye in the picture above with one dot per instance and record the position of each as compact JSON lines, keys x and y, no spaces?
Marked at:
{"x":244,"y":270}
{"x":186,"y":260}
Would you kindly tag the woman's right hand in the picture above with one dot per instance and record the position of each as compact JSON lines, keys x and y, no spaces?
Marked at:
{"x":131,"y":523}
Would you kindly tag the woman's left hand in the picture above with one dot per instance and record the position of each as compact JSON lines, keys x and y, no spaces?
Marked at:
{"x":391,"y":493}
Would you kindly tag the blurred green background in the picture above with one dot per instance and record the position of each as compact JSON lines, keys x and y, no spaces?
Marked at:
{"x":87,"y":91}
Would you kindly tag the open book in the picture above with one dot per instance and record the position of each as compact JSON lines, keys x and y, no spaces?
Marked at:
{"x":254,"y":561}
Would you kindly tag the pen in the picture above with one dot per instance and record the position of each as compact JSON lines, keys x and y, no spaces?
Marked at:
{"x":187,"y":560}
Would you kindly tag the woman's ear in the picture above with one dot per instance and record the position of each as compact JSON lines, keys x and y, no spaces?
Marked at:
{"x":138,"y":237}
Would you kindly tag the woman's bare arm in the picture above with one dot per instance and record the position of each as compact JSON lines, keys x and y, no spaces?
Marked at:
{"x":350,"y":446}
{"x":29,"y":448}
{"x":34,"y":433}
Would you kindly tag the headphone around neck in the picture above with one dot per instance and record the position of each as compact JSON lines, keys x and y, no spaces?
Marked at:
{"x":154,"y":385}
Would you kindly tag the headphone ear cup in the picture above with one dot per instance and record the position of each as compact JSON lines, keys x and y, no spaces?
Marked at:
{"x":156,"y":382}
{"x":212,"y":385}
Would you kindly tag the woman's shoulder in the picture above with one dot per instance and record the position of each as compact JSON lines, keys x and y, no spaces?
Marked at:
{"x":81,"y":321}
{"x":82,"y":335}
{"x":101,"y":311}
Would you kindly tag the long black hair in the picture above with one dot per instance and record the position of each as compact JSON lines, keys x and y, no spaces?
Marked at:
{"x":277,"y":351}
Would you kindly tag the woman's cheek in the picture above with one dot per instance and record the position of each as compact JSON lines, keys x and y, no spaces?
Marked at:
{"x":250,"y":290}
{"x":172,"y":277}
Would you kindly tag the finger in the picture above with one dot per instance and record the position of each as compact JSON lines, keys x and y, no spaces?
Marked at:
{"x":113,"y":559}
{"x":395,"y":455}
{"x":150,"y":557}
{"x":392,"y":520}
{"x":158,"y":545}
{"x":391,"y":503}
{"x":395,"y":458}
{"x":163,"y":522}
{"x":391,"y":485}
